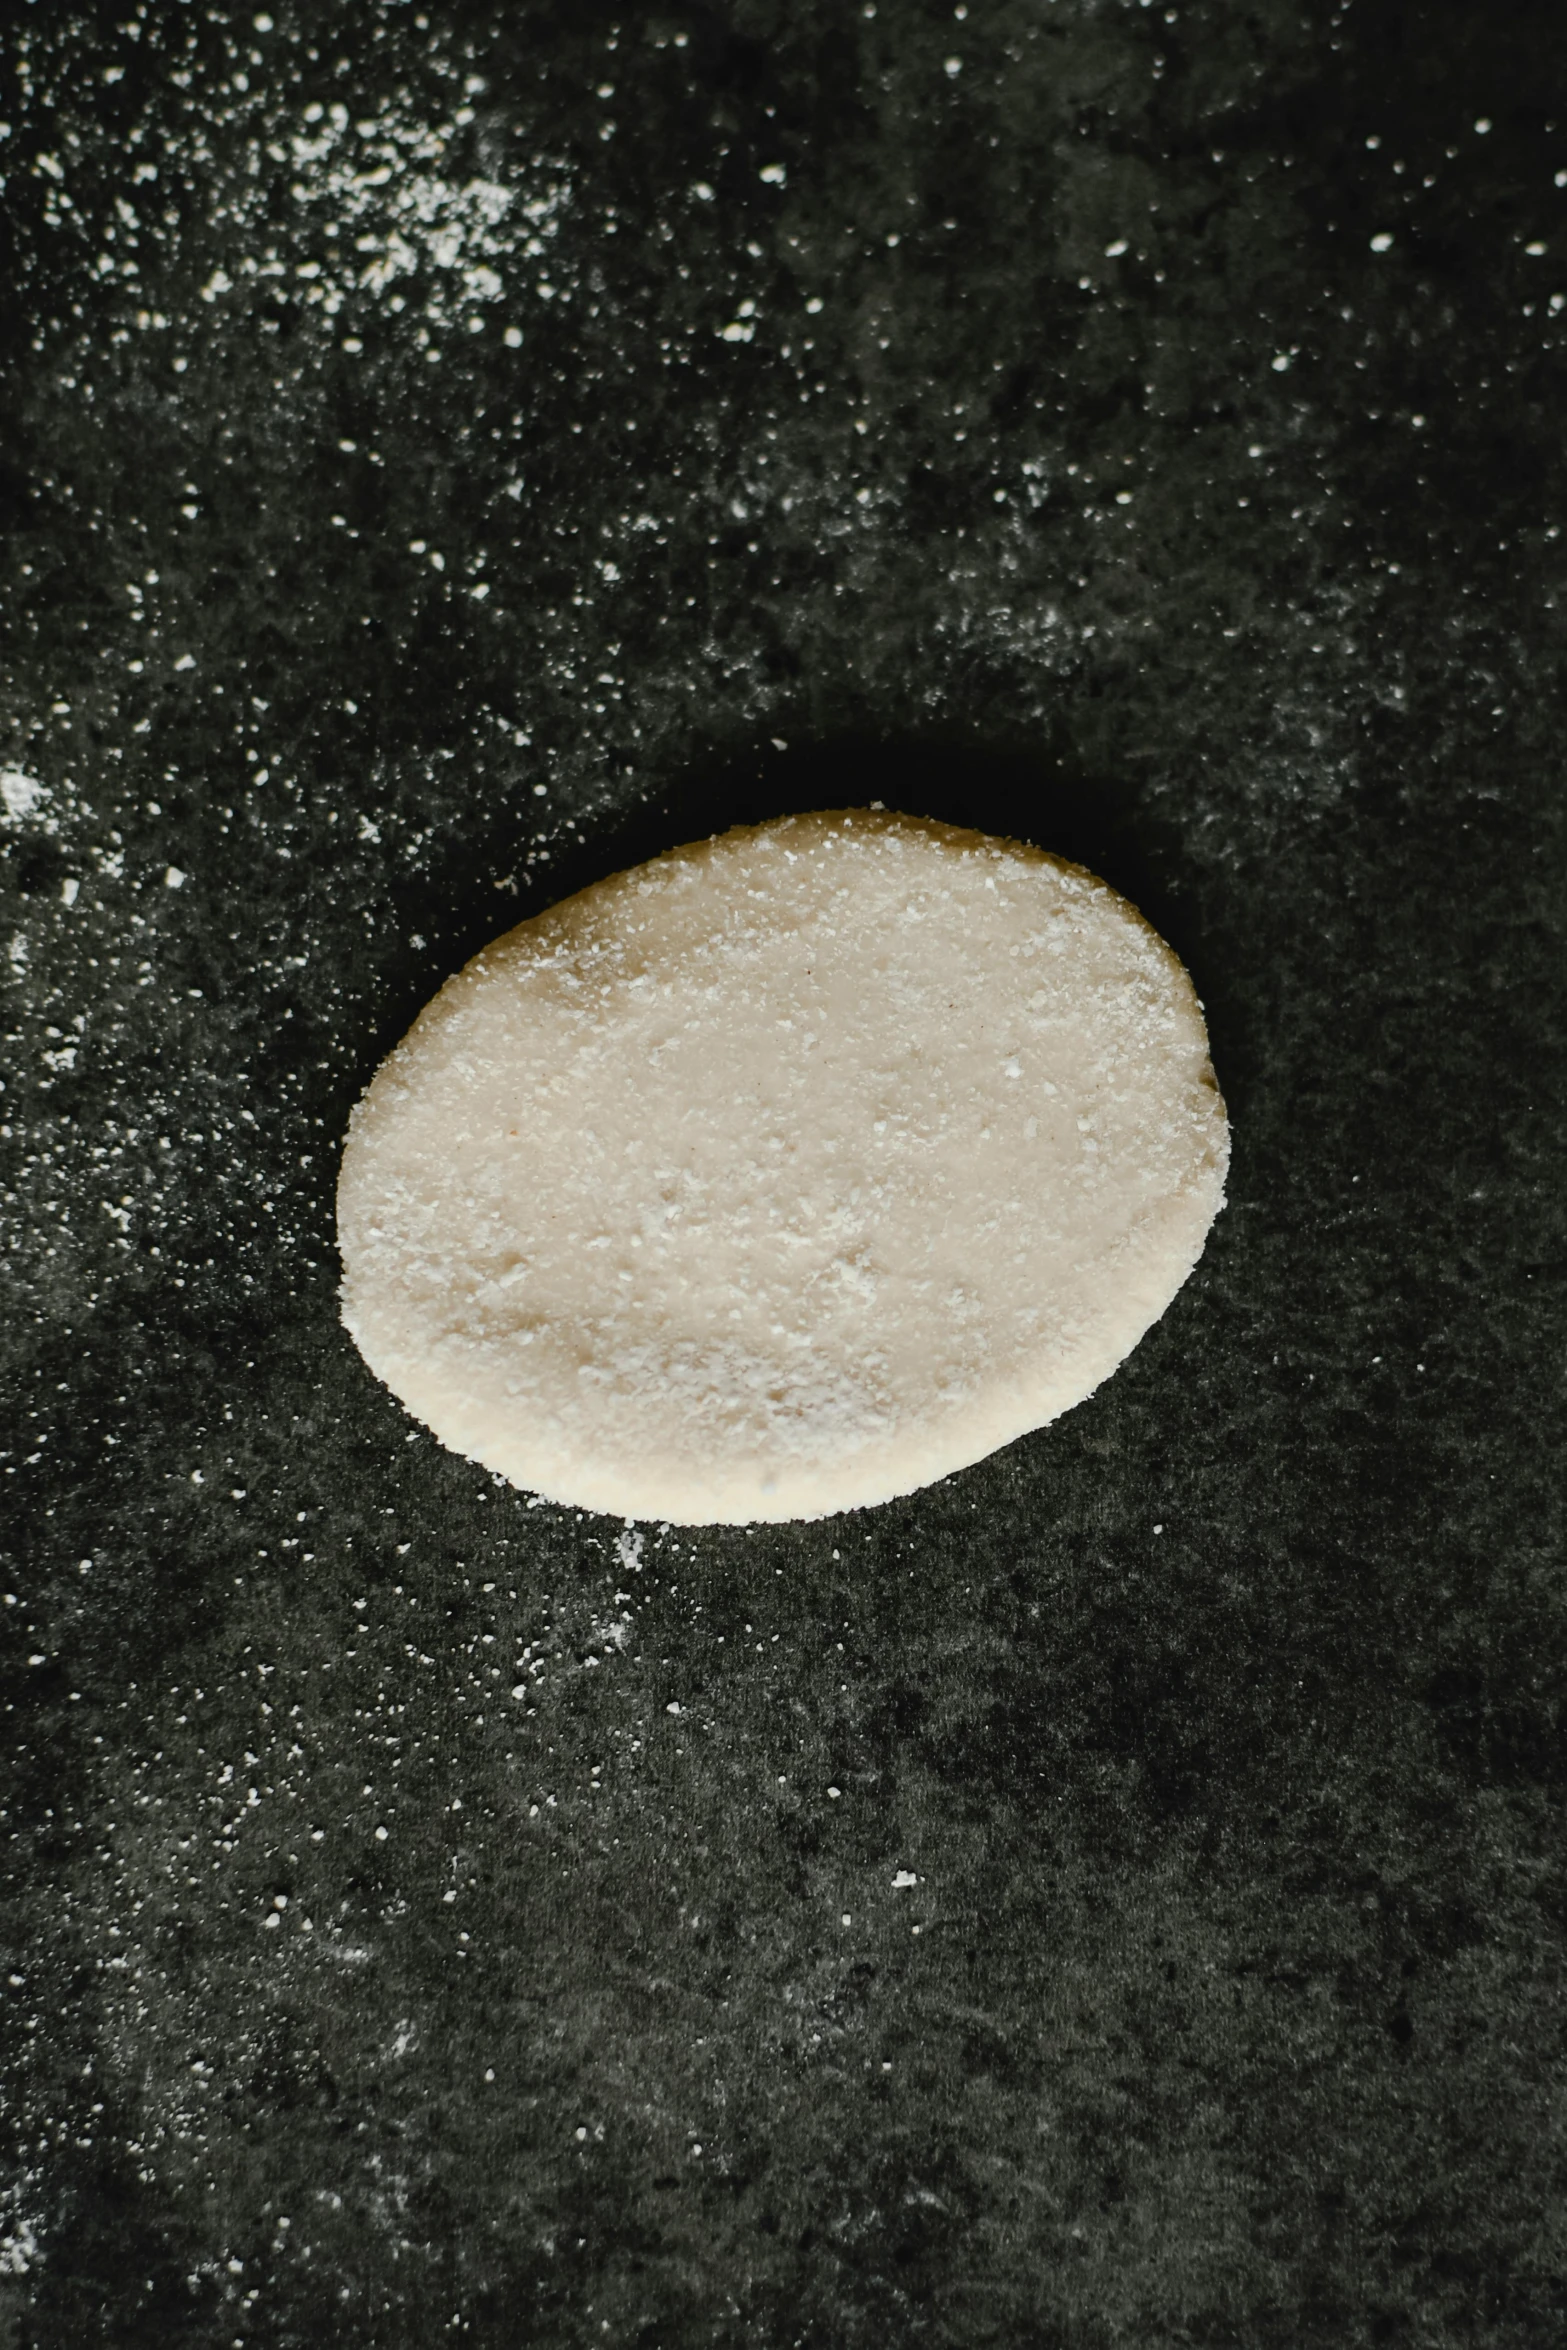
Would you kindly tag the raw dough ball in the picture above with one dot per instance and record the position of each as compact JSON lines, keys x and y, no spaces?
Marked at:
{"x":784,"y":1174}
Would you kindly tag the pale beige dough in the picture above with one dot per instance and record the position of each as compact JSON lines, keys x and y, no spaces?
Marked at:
{"x":784,"y":1174}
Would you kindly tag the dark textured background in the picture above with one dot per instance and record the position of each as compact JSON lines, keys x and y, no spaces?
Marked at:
{"x":1140,"y":428}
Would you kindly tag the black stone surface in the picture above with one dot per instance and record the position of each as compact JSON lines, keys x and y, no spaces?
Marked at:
{"x":1135,"y":427}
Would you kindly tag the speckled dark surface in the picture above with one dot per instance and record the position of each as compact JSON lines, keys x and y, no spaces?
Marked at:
{"x":1138,"y":428}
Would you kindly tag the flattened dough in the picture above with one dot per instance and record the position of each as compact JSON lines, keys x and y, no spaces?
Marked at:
{"x":784,"y":1174}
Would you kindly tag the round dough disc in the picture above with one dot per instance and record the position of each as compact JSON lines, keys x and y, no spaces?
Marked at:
{"x":784,"y":1174}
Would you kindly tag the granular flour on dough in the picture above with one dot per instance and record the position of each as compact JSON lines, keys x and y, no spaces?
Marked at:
{"x":784,"y":1174}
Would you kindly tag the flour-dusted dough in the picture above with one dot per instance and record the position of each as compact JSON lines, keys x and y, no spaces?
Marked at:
{"x":784,"y":1174}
